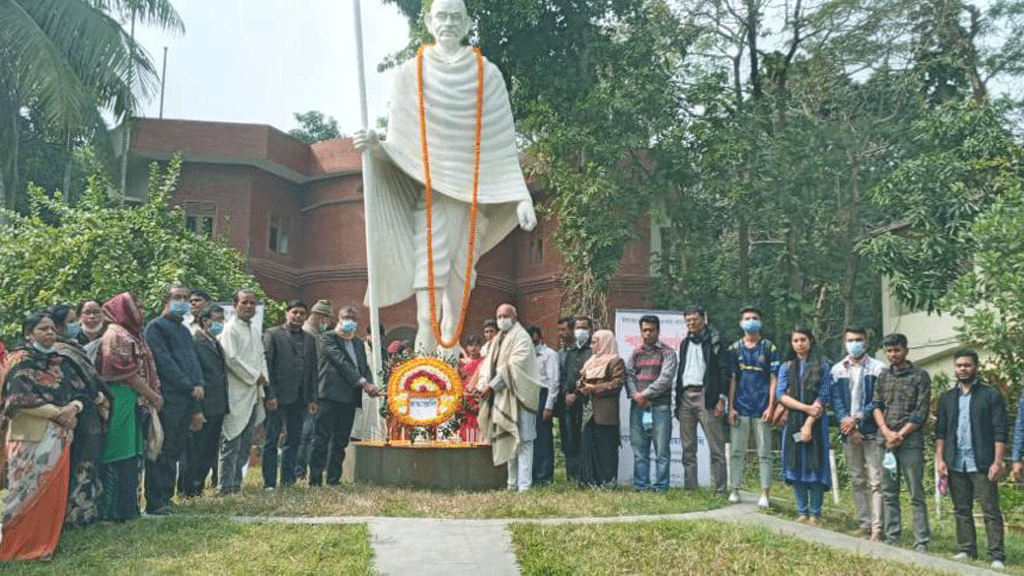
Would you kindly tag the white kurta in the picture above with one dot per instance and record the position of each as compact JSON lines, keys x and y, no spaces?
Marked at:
{"x":450,"y":89}
{"x":243,"y":355}
{"x":517,"y":364}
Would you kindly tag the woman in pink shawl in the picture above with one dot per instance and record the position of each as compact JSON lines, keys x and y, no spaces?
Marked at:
{"x":601,"y":379}
{"x":125,"y":362}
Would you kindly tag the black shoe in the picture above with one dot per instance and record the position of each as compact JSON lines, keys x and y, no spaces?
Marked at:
{"x":160,"y":511}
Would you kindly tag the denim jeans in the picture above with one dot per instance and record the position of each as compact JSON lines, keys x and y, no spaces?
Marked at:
{"x":287,"y":418}
{"x":816,"y":492}
{"x":640,"y":439}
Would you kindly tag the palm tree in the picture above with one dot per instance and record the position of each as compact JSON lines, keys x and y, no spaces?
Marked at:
{"x":66,"y":61}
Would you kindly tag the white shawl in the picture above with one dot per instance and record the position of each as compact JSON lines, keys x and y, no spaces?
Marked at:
{"x":243,"y":355}
{"x":518,"y":367}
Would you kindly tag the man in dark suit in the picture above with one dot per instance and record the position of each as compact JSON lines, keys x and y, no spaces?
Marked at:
{"x":291,"y":362}
{"x":204,"y":440}
{"x":343,"y":375}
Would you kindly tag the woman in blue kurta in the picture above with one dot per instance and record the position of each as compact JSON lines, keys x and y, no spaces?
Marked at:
{"x":804,"y":383}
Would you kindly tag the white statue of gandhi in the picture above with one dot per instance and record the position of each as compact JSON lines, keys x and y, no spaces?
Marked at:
{"x":450,"y":87}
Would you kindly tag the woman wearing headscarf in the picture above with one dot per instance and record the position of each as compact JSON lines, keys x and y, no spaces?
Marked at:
{"x":53,"y":440}
{"x":804,"y":387}
{"x":125,"y":362}
{"x":601,"y":378}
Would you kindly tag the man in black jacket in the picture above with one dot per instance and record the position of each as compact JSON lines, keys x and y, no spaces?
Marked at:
{"x":204,"y":441}
{"x":701,"y":394}
{"x":343,"y":375}
{"x":292,"y":364}
{"x":569,"y":405}
{"x":181,"y":384}
{"x":971,"y":432}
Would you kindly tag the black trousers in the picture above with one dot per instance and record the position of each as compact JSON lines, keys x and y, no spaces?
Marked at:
{"x":289,"y":419}
{"x":201,"y":455}
{"x":570,"y":430}
{"x":544,"y":445}
{"x":964,"y":488}
{"x":161,"y":475}
{"x":333,"y":428}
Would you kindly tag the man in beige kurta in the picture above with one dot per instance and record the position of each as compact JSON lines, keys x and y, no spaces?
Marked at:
{"x":509,"y":387}
{"x":247,"y":377}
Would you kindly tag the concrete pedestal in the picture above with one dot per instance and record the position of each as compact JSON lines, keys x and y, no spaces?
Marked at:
{"x":425,"y":466}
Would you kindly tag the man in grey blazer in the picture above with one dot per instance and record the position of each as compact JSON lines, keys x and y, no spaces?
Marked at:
{"x":343,"y":375}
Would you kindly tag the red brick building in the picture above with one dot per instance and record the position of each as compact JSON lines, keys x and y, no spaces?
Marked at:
{"x":296,"y":211}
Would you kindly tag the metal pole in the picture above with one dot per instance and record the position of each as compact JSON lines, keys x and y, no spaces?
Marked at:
{"x":368,"y":206}
{"x":163,"y":80}
{"x":127,"y":123}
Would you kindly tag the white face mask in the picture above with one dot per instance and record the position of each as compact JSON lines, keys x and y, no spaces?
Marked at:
{"x":582,"y":335}
{"x":504,"y":324}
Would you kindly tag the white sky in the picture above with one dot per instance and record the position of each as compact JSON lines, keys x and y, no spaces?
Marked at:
{"x":258,"y":61}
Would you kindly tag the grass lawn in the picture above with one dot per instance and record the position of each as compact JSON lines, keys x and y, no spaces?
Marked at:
{"x":689,"y":547}
{"x":206,"y":545}
{"x":560,"y":499}
{"x":943,"y":531}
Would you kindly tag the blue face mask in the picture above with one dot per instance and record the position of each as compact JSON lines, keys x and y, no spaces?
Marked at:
{"x":216,"y":328}
{"x":348,"y":326}
{"x":179,"y":307}
{"x":43,"y":349}
{"x":751,"y":326}
{"x":856,"y":348}
{"x":73,"y":330}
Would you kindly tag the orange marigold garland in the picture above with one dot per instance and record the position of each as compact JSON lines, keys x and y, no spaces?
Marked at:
{"x":424,"y":377}
{"x":428,"y":192}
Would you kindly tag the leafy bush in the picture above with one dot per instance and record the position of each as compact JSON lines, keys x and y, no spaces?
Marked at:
{"x":100,"y":247}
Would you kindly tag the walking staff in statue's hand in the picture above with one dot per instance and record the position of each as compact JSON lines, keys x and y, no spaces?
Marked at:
{"x":450,"y":125}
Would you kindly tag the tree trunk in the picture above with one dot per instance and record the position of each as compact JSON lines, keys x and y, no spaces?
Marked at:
{"x":852,"y":217}
{"x":744,"y":257}
{"x":755,"y":72}
{"x":67,"y":170}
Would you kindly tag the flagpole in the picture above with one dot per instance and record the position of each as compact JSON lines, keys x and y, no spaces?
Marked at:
{"x":368,"y":210}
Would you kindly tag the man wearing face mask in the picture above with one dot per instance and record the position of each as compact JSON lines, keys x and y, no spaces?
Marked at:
{"x":568,"y":405}
{"x":344,"y":375}
{"x":755,"y":366}
{"x":853,"y":392}
{"x":204,"y":441}
{"x":701,"y":396}
{"x":544,"y":445}
{"x":509,"y":387}
{"x":181,"y":384}
{"x":292,"y":365}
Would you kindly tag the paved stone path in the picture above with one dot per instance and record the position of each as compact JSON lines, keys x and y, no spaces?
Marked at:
{"x":484,"y":547}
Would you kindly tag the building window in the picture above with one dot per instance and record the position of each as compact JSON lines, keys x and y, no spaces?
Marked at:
{"x":200,"y":217}
{"x":280,"y":235}
{"x":536,"y":249}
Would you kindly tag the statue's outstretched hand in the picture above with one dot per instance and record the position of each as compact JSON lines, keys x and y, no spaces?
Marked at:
{"x":363,"y":139}
{"x":527,"y":216}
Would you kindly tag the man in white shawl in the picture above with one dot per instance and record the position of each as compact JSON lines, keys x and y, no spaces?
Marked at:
{"x":247,"y":379}
{"x":397,"y":179}
{"x":509,"y":388}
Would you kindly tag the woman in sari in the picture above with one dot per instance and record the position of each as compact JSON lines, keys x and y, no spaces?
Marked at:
{"x":804,"y":387}
{"x":125,"y":363}
{"x":52,"y":445}
{"x":601,"y":379}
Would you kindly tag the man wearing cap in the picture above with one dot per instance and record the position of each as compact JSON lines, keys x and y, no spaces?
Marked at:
{"x":320,"y":320}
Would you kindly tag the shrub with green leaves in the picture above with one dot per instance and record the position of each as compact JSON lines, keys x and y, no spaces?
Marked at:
{"x":98,"y":247}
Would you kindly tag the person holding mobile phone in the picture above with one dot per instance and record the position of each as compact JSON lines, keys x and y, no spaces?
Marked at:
{"x":805,"y":387}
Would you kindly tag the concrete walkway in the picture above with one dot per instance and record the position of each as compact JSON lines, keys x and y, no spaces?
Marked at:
{"x":484,"y":547}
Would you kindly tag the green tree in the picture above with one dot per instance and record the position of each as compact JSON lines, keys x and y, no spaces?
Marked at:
{"x":66,"y":60}
{"x":314,"y":127}
{"x":96,"y":248}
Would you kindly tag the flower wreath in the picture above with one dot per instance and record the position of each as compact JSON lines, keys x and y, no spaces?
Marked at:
{"x":424,"y":377}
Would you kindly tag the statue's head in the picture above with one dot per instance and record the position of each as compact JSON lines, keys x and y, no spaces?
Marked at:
{"x":448,"y":22}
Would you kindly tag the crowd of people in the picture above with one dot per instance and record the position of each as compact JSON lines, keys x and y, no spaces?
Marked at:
{"x":747,"y":388}
{"x":97,"y":398}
